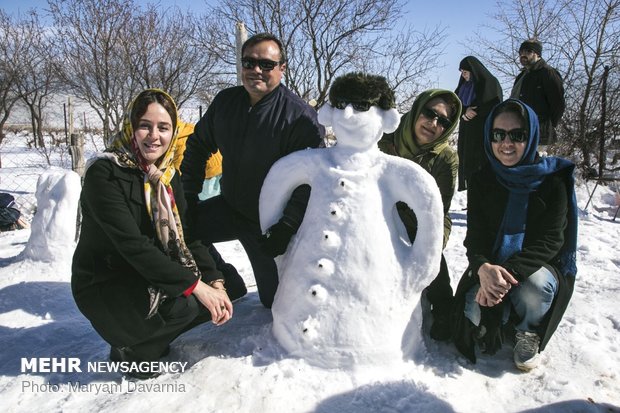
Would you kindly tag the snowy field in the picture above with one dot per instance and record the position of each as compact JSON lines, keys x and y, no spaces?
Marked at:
{"x":240,"y":367}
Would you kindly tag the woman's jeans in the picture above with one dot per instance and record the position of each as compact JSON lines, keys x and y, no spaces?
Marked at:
{"x":531,"y":300}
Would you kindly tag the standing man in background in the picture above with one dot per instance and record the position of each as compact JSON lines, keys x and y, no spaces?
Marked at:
{"x":252,"y":126}
{"x":540,"y":86}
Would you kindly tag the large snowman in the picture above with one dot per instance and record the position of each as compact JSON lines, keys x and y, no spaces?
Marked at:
{"x":350,"y":280}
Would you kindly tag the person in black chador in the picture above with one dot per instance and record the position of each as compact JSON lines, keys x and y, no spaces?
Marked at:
{"x":479,"y":92}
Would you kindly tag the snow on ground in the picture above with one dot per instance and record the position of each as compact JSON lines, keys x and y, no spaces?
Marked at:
{"x":239,"y":367}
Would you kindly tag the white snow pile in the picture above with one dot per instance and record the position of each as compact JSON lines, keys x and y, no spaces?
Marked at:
{"x":240,"y":367}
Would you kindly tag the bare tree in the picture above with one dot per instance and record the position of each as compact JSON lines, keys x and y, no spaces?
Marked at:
{"x":325,"y":38}
{"x":91,"y":35}
{"x":580,"y":38}
{"x":597,"y":44}
{"x":8,"y":71}
{"x":36,"y":80}
{"x":169,"y":58}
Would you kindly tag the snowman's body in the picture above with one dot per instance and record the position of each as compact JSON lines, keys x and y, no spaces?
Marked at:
{"x":350,"y":280}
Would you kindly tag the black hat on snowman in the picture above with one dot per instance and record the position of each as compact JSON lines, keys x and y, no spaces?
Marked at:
{"x":361,"y":90}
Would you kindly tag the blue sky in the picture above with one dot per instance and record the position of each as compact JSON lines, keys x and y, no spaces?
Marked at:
{"x":461,"y":18}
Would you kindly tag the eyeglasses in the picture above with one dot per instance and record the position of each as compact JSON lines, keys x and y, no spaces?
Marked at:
{"x":359,"y":106}
{"x":515,"y":135}
{"x":430,"y":114}
{"x":264,"y":64}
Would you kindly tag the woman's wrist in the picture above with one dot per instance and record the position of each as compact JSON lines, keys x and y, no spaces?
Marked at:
{"x":217,"y":284}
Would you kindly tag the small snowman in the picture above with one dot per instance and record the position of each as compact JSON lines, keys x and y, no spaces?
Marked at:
{"x":350,"y":279}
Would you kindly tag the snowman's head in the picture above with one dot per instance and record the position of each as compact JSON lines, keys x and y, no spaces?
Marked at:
{"x":360,"y":110}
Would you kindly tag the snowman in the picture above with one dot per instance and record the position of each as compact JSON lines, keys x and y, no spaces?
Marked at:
{"x":350,"y":280}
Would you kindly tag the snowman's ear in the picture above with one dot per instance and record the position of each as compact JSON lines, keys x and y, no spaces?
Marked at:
{"x":325,"y":115}
{"x":391,"y":119}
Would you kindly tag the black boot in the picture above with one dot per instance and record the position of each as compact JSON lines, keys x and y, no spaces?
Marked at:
{"x":126,"y":354}
{"x":441,"y":329}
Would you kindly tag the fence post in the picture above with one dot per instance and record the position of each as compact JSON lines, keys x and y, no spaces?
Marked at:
{"x":601,"y":155}
{"x":70,"y":114}
{"x":241,"y":36}
{"x":77,"y":153}
{"x":76,"y":150}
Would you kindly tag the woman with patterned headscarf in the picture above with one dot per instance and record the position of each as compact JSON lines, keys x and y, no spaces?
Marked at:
{"x":134,"y":276}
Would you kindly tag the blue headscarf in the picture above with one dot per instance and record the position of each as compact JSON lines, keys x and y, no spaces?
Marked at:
{"x":522,"y":179}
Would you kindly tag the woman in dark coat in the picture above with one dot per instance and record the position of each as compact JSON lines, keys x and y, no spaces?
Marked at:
{"x":479,"y":92}
{"x":133,"y":275}
{"x":521,"y":240}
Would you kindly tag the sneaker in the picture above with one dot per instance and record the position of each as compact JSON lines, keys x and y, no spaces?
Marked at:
{"x":526,"y":354}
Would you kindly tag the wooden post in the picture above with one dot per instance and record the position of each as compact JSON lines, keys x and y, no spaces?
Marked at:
{"x":70,"y":113}
{"x":601,"y":155}
{"x":77,"y":153}
{"x":241,"y":35}
{"x":64,"y":112}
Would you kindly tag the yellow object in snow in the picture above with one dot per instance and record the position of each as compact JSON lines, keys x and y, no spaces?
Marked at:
{"x":214,"y":164}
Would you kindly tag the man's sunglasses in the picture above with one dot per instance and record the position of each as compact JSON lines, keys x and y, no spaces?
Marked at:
{"x":264,"y":64}
{"x":430,"y":114}
{"x":515,"y":135}
{"x":358,"y":106}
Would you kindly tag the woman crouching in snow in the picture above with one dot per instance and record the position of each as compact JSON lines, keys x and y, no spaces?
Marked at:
{"x":134,"y":276}
{"x":521,"y":241}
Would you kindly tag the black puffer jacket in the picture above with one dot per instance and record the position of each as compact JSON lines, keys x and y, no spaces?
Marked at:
{"x":251,"y":139}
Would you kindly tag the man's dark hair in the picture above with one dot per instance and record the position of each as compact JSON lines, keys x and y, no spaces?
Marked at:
{"x":262,"y":37}
{"x":532,"y":44}
{"x":362,"y":87}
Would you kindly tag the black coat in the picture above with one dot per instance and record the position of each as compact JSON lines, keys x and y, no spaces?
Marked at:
{"x":542,"y":89}
{"x":544,"y":236}
{"x":488,"y":94}
{"x":251,"y":139}
{"x":119,"y":255}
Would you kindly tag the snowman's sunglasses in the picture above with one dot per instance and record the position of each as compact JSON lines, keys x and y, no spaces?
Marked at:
{"x":358,"y":106}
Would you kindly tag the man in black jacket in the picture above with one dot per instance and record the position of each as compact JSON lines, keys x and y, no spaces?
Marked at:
{"x":253,"y":126}
{"x":540,"y":86}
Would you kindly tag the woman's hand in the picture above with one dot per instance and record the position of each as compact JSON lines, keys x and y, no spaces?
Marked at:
{"x":495,"y":283}
{"x":215,"y":300}
{"x":470,"y":113}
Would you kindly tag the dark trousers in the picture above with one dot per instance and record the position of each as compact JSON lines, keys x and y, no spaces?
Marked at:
{"x":179,"y":314}
{"x":439,"y":291}
{"x":217,"y":221}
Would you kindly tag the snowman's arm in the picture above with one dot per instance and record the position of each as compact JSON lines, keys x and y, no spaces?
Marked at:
{"x":408,"y":182}
{"x":286,"y":191}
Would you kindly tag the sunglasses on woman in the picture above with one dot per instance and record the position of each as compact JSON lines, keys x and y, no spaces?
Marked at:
{"x":430,"y":114}
{"x":359,"y":106}
{"x":264,"y":64}
{"x":515,"y":135}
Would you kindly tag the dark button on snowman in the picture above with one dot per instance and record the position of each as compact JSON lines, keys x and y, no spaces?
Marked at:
{"x":350,"y":280}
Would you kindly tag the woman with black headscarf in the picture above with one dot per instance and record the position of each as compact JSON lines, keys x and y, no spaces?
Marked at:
{"x":479,"y":92}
